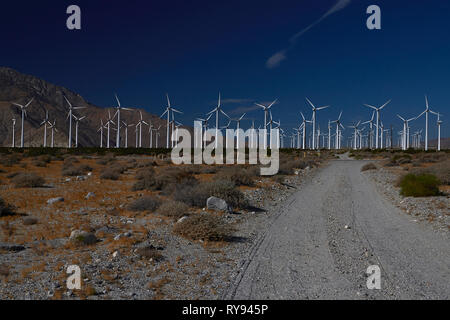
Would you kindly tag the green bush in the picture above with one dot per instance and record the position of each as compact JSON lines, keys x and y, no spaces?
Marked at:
{"x":423,"y":185}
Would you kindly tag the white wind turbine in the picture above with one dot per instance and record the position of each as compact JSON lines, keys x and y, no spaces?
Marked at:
{"x":77,"y":121}
{"x":304,"y":130}
{"x":118,"y":108}
{"x":355,"y":134}
{"x":45,"y":128}
{"x":157,"y":136}
{"x":24,"y":113}
{"x":69,"y":116}
{"x":151,"y":128}
{"x":405,"y":135}
{"x":169,"y":110}
{"x":126,"y":126}
{"x":217,"y":110}
{"x":109,"y":121}
{"x":204,"y":127}
{"x":13,"y":132}
{"x":314,"y":119}
{"x":338,"y":134}
{"x":52,"y":127}
{"x":270,"y":123}
{"x":101,"y":132}
{"x":378,"y":119}
{"x":370,"y":122}
{"x":438,"y":122}
{"x":426,"y":111}
{"x":140,"y":123}
{"x":238,"y":124}
{"x":266,"y":113}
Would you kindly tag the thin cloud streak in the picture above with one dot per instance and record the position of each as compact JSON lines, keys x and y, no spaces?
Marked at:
{"x":275,"y":60}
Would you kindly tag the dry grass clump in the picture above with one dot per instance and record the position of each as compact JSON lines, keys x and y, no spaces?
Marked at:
{"x":29,"y":221}
{"x":173,"y":209}
{"x":149,"y":252}
{"x":69,"y":169}
{"x":423,"y":185}
{"x":197,"y":195}
{"x":206,"y":227}
{"x":10,"y":160}
{"x":113,"y":172}
{"x":109,"y":158}
{"x":288,"y":165}
{"x":369,"y":166}
{"x":148,"y":179}
{"x":238,"y":175}
{"x":27,"y":180}
{"x":441,"y":170}
{"x":5,"y":209}
{"x":147,"y":203}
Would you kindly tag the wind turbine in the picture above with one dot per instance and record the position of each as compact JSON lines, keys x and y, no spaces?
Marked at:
{"x":140,"y":123}
{"x":157,"y":136}
{"x":204,"y":126}
{"x":119,"y":107}
{"x":405,"y":142}
{"x":338,"y":135}
{"x":126,"y":132}
{"x":101,"y":132}
{"x":270,"y":123}
{"x":378,"y":119}
{"x":108,"y":127}
{"x":266,"y":113}
{"x":370,"y":122}
{"x":217,"y":110}
{"x":69,"y":116}
{"x":13,"y":132}
{"x":24,"y":113}
{"x":355,"y":134}
{"x":45,"y":128}
{"x":238,"y":123}
{"x":304,"y":130}
{"x":53,"y":128}
{"x":314,"y":118}
{"x":438,"y":122}
{"x":77,"y":121}
{"x":169,"y":109}
{"x":426,"y":111}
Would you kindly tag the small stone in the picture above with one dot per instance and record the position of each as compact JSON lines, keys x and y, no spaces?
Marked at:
{"x":115,"y":254}
{"x":54,"y":200}
{"x":182,"y":219}
{"x":90,"y":195}
{"x":217,"y":204}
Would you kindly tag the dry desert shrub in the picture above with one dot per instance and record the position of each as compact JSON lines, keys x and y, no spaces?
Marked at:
{"x":369,"y":166}
{"x":113,"y":172}
{"x":10,"y":160}
{"x":173,"y":209}
{"x":422,"y":185}
{"x":147,"y":203}
{"x":197,"y":195}
{"x":72,"y":170}
{"x":204,"y":227}
{"x":149,"y":252}
{"x":27,"y":180}
{"x":148,"y":179}
{"x":441,"y":170}
{"x":5,"y":209}
{"x":236,"y":174}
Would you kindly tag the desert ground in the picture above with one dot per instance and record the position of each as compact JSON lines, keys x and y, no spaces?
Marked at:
{"x":139,"y":227}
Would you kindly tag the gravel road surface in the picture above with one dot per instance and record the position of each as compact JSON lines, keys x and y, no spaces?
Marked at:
{"x":320,"y":243}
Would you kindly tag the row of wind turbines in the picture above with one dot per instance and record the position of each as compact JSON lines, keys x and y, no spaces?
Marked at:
{"x":376,"y":137}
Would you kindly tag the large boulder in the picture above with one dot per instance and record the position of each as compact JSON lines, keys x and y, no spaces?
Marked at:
{"x":83,"y":237}
{"x":217,"y":204}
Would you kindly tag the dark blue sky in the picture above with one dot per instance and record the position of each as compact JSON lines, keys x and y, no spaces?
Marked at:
{"x":193,"y":49}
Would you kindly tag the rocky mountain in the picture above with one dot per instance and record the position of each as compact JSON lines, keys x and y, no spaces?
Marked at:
{"x":20,"y":88}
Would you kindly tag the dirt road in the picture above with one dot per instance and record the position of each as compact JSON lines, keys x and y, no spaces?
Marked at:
{"x":321,"y":242}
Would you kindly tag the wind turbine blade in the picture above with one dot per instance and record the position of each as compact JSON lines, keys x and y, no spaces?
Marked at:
{"x":270,"y":105}
{"x":401,"y":117}
{"x":175,"y":110}
{"x":340,"y":115}
{"x":160,"y":116}
{"x":19,"y":105}
{"x":225,"y":114}
{"x":78,"y":108}
{"x":29,"y":102}
{"x":168,"y":100}
{"x":67,"y":101}
{"x":310,"y":103}
{"x":368,"y":105}
{"x":426,"y":102}
{"x":128,"y":109}
{"x":118,"y":102}
{"x":81,"y":118}
{"x":321,"y":108}
{"x":384,"y":105}
{"x":260,"y":105}
{"x":242,"y":117}
{"x":303,"y":116}
{"x":211,"y":112}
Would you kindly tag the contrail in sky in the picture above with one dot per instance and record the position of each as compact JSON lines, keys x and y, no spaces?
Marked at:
{"x":275,"y":60}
